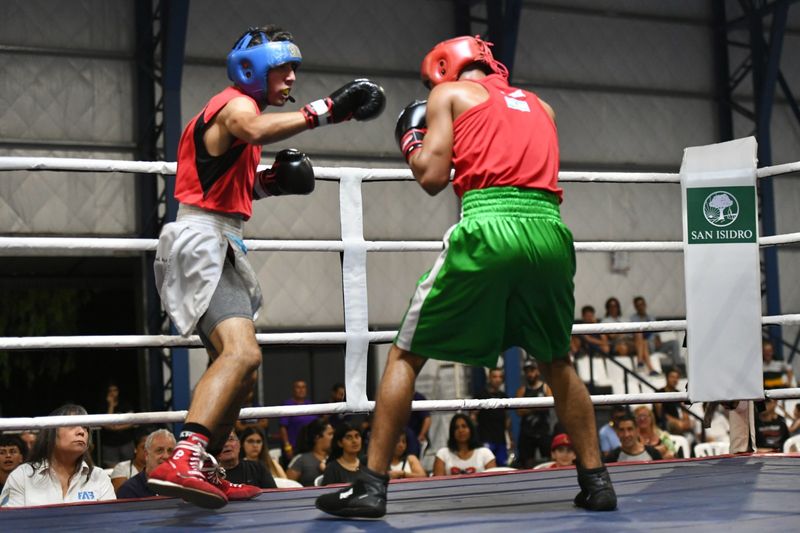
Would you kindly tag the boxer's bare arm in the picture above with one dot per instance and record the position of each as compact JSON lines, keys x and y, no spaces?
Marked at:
{"x":240,"y":119}
{"x":431,"y":164}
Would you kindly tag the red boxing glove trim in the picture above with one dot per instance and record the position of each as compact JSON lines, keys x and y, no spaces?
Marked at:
{"x":412,"y":139}
{"x":315,"y":110}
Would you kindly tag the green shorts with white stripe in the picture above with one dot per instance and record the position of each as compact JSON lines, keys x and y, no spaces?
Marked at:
{"x":504,"y":278}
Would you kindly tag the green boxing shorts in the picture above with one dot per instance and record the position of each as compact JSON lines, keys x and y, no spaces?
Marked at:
{"x":504,"y":278}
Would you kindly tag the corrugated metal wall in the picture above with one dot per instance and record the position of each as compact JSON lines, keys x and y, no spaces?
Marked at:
{"x":631,"y":82}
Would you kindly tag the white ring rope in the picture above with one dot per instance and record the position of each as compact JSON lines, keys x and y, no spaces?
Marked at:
{"x":102,"y":244}
{"x":39,"y":422}
{"x":54,"y":244}
{"x":376,"y":337}
{"x":333,"y":173}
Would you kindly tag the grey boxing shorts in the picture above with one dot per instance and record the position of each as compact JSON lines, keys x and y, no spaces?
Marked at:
{"x":202,"y":273}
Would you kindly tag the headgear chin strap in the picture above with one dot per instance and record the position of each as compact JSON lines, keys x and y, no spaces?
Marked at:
{"x":248,"y":67}
{"x":447,"y":59}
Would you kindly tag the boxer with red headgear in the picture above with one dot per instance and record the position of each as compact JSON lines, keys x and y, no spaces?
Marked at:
{"x":505,"y":277}
{"x":202,"y":273}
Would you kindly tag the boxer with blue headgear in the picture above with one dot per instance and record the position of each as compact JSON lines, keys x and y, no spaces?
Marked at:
{"x":202,"y":273}
{"x":251,"y":59}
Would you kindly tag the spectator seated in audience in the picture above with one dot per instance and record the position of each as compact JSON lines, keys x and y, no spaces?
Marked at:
{"x":651,"y":435}
{"x":314,"y":445}
{"x":29,"y":438}
{"x":116,"y":440}
{"x":576,"y":348}
{"x":252,"y":473}
{"x":534,"y":425}
{"x":608,"y":434}
{"x":494,"y":424}
{"x":670,"y":348}
{"x":419,"y":422}
{"x":290,"y":425}
{"x":125,"y":470}
{"x":339,"y":395}
{"x":627,"y":343}
{"x":631,"y":446}
{"x":463,"y":453}
{"x":561,"y":451}
{"x":254,"y":448}
{"x":345,"y":459}
{"x":669,"y":415}
{"x":794,"y":429}
{"x":777,"y":374}
{"x":59,"y":470}
{"x":404,"y":464}
{"x":158,"y":448}
{"x":594,"y":343}
{"x":12,"y":454}
{"x":771,"y":428}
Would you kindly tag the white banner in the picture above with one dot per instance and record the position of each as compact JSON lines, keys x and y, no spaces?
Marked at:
{"x":722,"y":271}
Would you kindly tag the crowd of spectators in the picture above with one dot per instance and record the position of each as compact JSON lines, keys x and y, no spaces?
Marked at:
{"x":55,"y":465}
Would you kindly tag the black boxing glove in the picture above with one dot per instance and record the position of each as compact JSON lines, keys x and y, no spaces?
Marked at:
{"x":411,"y":127}
{"x":360,"y":99}
{"x":291,"y":173}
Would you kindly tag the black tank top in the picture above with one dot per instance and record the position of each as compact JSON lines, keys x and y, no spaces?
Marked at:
{"x":539,"y":420}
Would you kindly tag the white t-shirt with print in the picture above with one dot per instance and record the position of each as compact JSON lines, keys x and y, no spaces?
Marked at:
{"x":453,"y":464}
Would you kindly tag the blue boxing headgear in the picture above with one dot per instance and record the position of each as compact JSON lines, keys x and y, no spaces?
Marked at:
{"x":248,"y":67}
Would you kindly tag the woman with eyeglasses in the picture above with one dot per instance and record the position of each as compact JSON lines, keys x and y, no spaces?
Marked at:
{"x":651,"y":435}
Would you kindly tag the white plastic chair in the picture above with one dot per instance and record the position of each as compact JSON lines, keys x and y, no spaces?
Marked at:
{"x":540,"y":466}
{"x":582,"y":368}
{"x":283,"y":483}
{"x":710,"y":449}
{"x":616,"y":374}
{"x":634,"y":386}
{"x":792,"y":442}
{"x":600,"y":373}
{"x":681,"y":443}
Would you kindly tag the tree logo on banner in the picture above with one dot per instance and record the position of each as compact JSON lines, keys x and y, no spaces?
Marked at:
{"x":721,"y":208}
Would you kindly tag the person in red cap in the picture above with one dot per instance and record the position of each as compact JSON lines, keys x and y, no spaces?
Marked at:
{"x":506,"y":275}
{"x":561,"y":451}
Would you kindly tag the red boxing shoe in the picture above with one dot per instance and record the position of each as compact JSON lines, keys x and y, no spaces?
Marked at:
{"x":181,"y":477}
{"x":215,"y":475}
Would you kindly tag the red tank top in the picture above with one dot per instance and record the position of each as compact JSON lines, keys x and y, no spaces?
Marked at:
{"x":507,"y":141}
{"x":221,"y":183}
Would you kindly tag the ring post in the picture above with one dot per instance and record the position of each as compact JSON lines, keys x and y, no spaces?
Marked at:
{"x":722,"y":274}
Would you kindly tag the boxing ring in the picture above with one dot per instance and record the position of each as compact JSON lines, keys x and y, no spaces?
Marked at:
{"x":754,"y":493}
{"x":742,"y":492}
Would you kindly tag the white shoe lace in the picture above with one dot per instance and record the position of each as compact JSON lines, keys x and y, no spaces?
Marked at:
{"x":211,"y":469}
{"x":202,"y":463}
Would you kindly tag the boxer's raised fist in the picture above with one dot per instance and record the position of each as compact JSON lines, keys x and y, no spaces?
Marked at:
{"x":411,"y":127}
{"x":360,"y":99}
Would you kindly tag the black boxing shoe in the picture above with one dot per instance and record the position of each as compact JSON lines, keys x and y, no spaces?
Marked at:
{"x":597,"y":492}
{"x":365,"y":498}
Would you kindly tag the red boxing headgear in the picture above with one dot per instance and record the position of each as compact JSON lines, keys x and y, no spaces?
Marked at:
{"x":447,"y":59}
